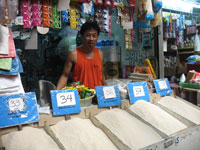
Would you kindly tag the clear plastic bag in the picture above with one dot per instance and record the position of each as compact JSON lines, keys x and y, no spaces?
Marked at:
{"x":12,"y":8}
{"x":157,"y":5}
{"x":196,"y":43}
{"x":2,"y":10}
{"x":144,"y":10}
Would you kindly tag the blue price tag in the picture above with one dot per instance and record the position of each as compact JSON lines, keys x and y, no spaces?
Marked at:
{"x":65,"y":102}
{"x":138,"y":91}
{"x":108,"y":96}
{"x":18,"y":109}
{"x":162,"y":87}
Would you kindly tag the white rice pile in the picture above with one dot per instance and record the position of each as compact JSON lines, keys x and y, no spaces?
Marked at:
{"x":181,"y":108}
{"x":157,"y":117}
{"x":81,"y":134}
{"x":129,"y":129}
{"x":29,"y":139}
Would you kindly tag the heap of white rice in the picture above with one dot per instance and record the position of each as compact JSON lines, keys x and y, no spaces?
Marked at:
{"x":81,"y":134}
{"x":29,"y":139}
{"x":181,"y":108}
{"x":129,"y":129}
{"x":157,"y":117}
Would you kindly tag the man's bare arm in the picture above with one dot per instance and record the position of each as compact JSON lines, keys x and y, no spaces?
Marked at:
{"x":67,"y":69}
{"x":102,"y":58}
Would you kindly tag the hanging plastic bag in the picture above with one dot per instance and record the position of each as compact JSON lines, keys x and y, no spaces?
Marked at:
{"x":196,"y":42}
{"x":144,"y":10}
{"x":2,"y":10}
{"x":157,"y":5}
{"x":16,"y":68}
{"x":12,"y":8}
{"x":140,"y":24}
{"x":157,"y":19}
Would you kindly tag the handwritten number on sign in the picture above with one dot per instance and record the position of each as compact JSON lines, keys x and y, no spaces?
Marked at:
{"x":138,"y":91}
{"x":162,"y":85}
{"x":16,"y":104}
{"x":66,"y":99}
{"x":109,"y":92}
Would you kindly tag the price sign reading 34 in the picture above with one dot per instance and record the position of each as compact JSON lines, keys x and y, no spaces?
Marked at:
{"x":162,"y":85}
{"x":65,"y":99}
{"x":109,"y":92}
{"x":138,"y":91}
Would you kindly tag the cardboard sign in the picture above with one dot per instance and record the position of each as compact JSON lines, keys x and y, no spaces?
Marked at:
{"x":138,"y":91}
{"x":162,"y":87}
{"x":65,"y":102}
{"x":18,"y":109}
{"x":108,"y":96}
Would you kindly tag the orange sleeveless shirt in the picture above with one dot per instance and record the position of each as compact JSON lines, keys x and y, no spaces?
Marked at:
{"x":88,"y":71}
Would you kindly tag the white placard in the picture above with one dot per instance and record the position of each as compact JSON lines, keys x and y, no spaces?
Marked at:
{"x":65,"y":99}
{"x":16,"y":104}
{"x":109,"y":92}
{"x":138,"y":91}
{"x":162,"y":85}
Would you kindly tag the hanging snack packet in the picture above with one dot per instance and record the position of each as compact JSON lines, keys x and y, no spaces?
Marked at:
{"x":75,"y":16}
{"x":26,"y":7}
{"x":56,"y":15}
{"x":88,"y":8}
{"x":65,"y":16}
{"x":37,"y":12}
{"x":47,"y":13}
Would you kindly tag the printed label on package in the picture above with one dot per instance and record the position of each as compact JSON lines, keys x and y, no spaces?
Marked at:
{"x":108,"y":96}
{"x":162,"y":87}
{"x":18,"y":109}
{"x":65,"y":102}
{"x":138,"y":91}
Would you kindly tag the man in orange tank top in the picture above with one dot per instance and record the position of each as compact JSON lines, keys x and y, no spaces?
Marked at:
{"x":87,"y":61}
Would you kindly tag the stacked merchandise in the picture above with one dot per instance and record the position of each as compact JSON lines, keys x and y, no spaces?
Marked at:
{"x":192,"y":80}
{"x":10,"y":65}
{"x":40,"y":13}
{"x":49,"y":14}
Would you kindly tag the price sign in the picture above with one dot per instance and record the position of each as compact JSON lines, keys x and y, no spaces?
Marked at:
{"x":18,"y":109}
{"x":162,"y":84}
{"x":108,"y":96}
{"x":109,"y":92}
{"x":65,"y":102}
{"x":162,"y":87}
{"x":66,"y":99}
{"x":138,"y":91}
{"x":16,"y":104}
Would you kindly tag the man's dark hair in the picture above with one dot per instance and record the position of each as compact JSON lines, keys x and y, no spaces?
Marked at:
{"x":89,"y":25}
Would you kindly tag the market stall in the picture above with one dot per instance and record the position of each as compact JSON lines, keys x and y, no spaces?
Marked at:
{"x":138,"y":109}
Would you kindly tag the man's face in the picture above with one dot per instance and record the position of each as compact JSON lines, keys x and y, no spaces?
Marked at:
{"x":90,"y":38}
